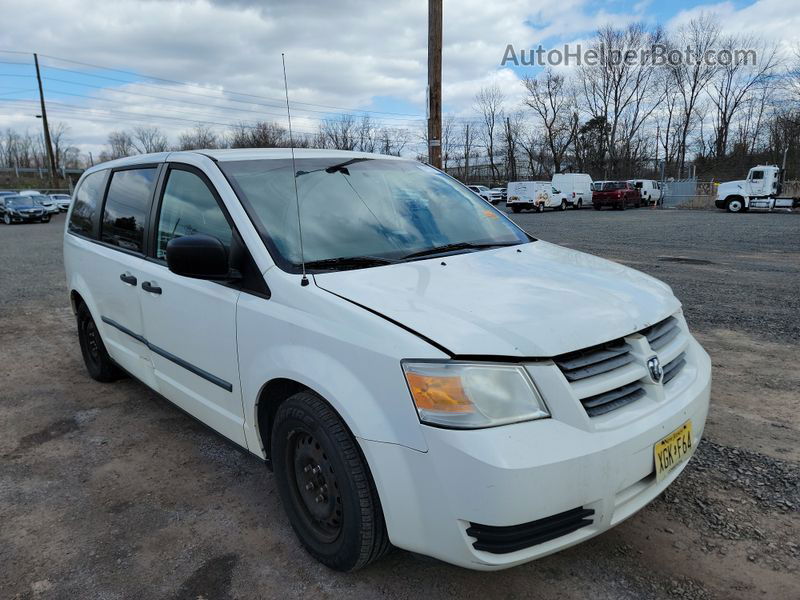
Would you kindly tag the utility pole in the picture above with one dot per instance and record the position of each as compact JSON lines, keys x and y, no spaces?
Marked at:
{"x":435,"y":83}
{"x":511,"y":171}
{"x":467,"y":150}
{"x":48,"y":146}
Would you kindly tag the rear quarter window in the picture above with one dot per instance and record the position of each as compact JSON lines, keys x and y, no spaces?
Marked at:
{"x":87,"y":201}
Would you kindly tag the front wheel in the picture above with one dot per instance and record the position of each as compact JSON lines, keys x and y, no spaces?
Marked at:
{"x":6,"y":219}
{"x":596,"y":206}
{"x":540,"y":208}
{"x":46,"y":219}
{"x":325,"y":485}
{"x":516,"y":209}
{"x":735,"y":205}
{"x":563,"y":205}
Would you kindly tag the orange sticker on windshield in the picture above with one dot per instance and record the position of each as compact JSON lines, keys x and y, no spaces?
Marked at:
{"x":491,"y":214}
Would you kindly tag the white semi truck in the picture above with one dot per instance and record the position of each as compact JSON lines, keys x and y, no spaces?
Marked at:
{"x":761,"y":189}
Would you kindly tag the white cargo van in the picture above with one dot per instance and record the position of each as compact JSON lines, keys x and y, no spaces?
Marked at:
{"x":572,"y":189}
{"x":535,"y":195}
{"x":649,"y":189}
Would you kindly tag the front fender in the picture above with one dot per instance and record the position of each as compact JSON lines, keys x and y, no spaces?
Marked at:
{"x":347,"y":355}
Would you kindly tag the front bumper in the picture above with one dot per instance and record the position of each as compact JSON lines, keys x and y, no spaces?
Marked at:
{"x":719,"y":203}
{"x":507,"y":476}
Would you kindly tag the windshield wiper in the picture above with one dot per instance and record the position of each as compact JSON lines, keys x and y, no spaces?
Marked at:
{"x":349,"y":262}
{"x":457,"y":246}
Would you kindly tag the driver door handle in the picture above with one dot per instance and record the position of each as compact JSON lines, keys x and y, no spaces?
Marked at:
{"x":149,"y":287}
{"x":128,"y":278}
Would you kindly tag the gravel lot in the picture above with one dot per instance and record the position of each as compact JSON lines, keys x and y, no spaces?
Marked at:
{"x":107,"y":491}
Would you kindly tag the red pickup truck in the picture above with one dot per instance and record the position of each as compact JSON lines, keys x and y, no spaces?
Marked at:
{"x":615,"y":194}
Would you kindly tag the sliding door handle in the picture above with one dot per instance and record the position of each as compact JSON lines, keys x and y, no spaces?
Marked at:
{"x":128,"y":278}
{"x":149,"y":287}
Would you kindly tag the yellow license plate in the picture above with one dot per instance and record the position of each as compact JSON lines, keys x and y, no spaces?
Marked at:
{"x":673,"y":450}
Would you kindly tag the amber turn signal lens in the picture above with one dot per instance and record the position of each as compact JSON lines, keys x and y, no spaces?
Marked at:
{"x":439,"y":394}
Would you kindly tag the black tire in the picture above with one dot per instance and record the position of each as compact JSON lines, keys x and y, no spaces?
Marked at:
{"x":7,"y":219}
{"x":579,"y":204}
{"x":95,"y":357}
{"x":46,"y":219}
{"x":563,"y":205}
{"x":596,"y":206}
{"x":516,"y":209}
{"x":622,"y":205}
{"x":735,"y":205}
{"x":338,"y":519}
{"x":540,"y":208}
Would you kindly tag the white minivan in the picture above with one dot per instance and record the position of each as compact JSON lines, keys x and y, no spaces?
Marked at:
{"x":572,"y":189}
{"x":417,"y":370}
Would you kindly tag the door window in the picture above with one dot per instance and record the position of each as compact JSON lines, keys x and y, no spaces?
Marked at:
{"x":757,"y":175}
{"x":189,"y":208}
{"x":126,"y":208}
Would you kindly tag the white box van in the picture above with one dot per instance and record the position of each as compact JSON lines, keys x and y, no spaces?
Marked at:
{"x":649,"y":189}
{"x":416,"y":369}
{"x":534,"y":195}
{"x":572,"y":189}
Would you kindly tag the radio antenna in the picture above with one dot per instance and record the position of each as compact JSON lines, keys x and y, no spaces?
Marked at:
{"x":304,"y":279}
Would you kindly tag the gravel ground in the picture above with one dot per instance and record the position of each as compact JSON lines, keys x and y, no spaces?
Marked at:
{"x":107,"y":491}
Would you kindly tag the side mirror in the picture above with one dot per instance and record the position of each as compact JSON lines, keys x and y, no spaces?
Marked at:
{"x":199,"y":256}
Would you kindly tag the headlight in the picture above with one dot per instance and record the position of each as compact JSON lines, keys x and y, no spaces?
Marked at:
{"x":472,"y":395}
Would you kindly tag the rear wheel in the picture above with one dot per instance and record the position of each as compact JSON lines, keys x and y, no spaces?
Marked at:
{"x":46,"y":219}
{"x":540,"y":207}
{"x":325,"y":485}
{"x":580,"y":203}
{"x":95,"y":356}
{"x":516,"y":209}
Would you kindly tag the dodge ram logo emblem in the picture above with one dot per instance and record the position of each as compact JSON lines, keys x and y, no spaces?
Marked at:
{"x":654,"y":366}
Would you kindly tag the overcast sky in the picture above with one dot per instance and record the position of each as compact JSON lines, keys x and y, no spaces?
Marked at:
{"x":341,"y":56}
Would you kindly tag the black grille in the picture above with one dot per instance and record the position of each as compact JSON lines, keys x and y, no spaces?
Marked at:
{"x":594,"y":361}
{"x":613,"y":399}
{"x":660,"y":334}
{"x":673,"y":367}
{"x":502,"y":540}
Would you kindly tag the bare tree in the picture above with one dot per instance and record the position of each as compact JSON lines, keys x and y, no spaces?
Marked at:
{"x":553,"y":104}
{"x":340,"y":133}
{"x":149,"y":139}
{"x":691,"y":75}
{"x":489,"y":104}
{"x":736,"y":83}
{"x":201,"y":136}
{"x":121,"y":144}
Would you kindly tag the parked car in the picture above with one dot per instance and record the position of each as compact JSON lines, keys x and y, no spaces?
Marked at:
{"x":46,"y":202}
{"x":22,"y":209}
{"x":532,"y":195}
{"x":503,"y":193}
{"x":649,"y":189}
{"x":62,"y":200}
{"x":572,"y":189}
{"x":29,"y":193}
{"x":616,"y":194}
{"x":417,"y":370}
{"x":8,"y":193}
{"x":491,"y":196}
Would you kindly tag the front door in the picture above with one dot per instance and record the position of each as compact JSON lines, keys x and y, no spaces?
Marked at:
{"x":190,"y":324}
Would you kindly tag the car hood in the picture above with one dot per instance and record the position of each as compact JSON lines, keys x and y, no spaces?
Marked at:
{"x":532,"y":300}
{"x":24,"y":206}
{"x":730,"y":187}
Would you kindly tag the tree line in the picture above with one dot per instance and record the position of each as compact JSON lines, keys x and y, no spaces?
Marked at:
{"x":611,"y":119}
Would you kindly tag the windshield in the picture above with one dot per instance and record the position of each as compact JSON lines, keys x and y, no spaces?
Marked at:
{"x":363,"y":207}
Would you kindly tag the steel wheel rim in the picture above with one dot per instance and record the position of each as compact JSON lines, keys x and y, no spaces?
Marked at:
{"x":314,"y":485}
{"x":92,"y":340}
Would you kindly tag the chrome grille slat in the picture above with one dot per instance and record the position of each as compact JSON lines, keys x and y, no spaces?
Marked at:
{"x":660,"y":334}
{"x":605,"y":403}
{"x":594,"y":361}
{"x":672,"y":368}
